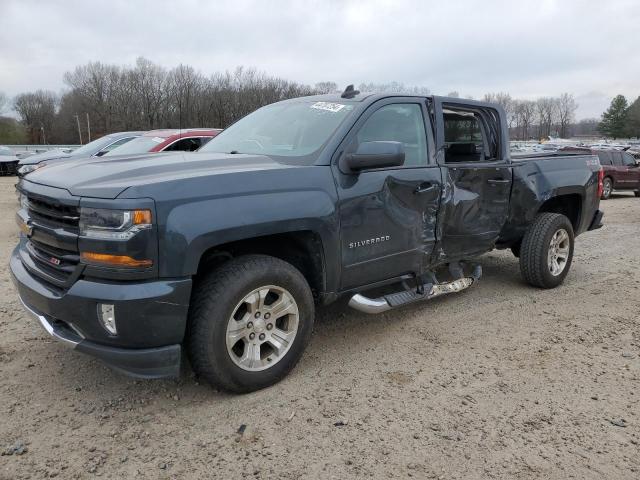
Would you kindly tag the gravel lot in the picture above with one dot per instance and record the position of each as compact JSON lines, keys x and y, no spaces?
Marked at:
{"x":501,"y":381}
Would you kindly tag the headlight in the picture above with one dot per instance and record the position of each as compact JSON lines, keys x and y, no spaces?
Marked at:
{"x":23,"y":170}
{"x":113,"y":224}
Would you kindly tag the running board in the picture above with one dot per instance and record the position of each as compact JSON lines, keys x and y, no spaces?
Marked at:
{"x":405,"y":297}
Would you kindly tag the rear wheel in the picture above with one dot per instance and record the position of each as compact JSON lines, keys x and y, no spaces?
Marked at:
{"x":637,"y":193}
{"x":547,"y":250}
{"x":607,"y":188}
{"x":250,"y":322}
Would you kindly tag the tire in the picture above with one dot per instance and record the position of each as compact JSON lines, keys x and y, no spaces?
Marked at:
{"x":231,"y":298}
{"x":637,"y":193}
{"x":607,"y":188}
{"x":536,"y":261}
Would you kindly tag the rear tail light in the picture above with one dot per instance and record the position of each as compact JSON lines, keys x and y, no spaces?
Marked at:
{"x":600,"y":179}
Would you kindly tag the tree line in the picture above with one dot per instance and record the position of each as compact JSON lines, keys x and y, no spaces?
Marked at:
{"x":106,"y":98}
{"x":145,"y":97}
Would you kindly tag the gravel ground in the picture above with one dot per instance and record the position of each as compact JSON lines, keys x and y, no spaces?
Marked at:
{"x":501,"y":381}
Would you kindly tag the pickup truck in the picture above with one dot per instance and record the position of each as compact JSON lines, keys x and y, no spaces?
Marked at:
{"x":223,"y":254}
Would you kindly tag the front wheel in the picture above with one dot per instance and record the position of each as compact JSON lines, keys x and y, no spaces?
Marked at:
{"x":637,"y":193}
{"x":249,"y":323}
{"x":547,"y":250}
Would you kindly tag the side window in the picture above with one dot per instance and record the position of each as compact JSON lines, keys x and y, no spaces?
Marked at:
{"x":605,"y":158}
{"x":114,"y":145}
{"x":470,"y":135}
{"x":184,"y":145}
{"x":402,"y":122}
{"x":617,"y":158}
{"x":628,"y":159}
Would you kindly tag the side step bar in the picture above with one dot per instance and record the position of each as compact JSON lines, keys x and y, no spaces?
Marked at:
{"x":405,"y":297}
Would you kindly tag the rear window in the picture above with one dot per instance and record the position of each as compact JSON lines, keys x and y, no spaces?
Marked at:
{"x":137,"y":145}
{"x":605,"y":158}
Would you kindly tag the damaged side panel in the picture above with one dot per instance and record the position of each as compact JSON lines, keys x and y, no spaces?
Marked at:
{"x":388,"y":223}
{"x":474,"y":207}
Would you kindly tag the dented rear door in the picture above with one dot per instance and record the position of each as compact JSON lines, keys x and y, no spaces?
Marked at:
{"x":477,"y":175}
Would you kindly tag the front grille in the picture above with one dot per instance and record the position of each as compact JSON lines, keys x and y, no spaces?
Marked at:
{"x":51,"y":251}
{"x":61,"y":264}
{"x":54,"y":214}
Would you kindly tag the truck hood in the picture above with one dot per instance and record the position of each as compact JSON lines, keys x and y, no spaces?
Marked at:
{"x":108,"y":177}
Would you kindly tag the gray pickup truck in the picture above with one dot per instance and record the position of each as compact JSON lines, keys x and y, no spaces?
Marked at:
{"x":224,"y":253}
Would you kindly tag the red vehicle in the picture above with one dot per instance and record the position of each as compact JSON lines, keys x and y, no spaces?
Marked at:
{"x":621,"y":171}
{"x":183,"y":140}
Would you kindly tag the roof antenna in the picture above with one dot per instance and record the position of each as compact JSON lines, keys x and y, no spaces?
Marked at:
{"x":349,"y":92}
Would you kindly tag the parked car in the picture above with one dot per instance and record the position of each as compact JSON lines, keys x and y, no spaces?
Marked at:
{"x":96,"y":148}
{"x":8,"y":161}
{"x":621,"y":171}
{"x":183,"y":140}
{"x":224,"y":252}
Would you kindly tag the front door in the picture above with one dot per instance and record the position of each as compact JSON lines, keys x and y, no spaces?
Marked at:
{"x":388,"y":216}
{"x":477,"y":175}
{"x":631,"y":171}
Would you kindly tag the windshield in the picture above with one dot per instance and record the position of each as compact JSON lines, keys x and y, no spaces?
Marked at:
{"x":5,"y":151}
{"x":284,"y":130}
{"x":92,"y":148}
{"x":137,"y":145}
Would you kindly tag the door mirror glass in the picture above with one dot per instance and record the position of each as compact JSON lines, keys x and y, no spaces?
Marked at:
{"x":375,"y":155}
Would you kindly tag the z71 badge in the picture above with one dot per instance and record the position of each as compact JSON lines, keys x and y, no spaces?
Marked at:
{"x":369,"y":241}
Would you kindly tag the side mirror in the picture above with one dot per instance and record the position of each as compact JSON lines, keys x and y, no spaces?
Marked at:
{"x":374,"y":155}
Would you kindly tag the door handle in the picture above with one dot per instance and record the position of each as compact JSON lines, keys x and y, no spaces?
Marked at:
{"x":494,"y":181}
{"x":424,"y":187}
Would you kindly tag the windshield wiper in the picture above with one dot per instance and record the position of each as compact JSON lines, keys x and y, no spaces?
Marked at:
{"x":234,"y":152}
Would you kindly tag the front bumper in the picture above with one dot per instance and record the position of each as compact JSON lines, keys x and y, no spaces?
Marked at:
{"x":151,"y":319}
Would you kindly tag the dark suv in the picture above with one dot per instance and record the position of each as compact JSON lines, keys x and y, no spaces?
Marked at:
{"x":621,"y":171}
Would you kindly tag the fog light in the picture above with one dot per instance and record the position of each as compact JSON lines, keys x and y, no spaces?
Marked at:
{"x":107,"y":316}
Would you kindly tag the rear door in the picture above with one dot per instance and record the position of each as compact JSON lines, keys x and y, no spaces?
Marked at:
{"x":477,"y":174}
{"x":621,"y":178}
{"x":388,"y":215}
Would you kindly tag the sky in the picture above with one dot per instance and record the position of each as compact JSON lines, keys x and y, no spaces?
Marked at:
{"x":527,"y":48}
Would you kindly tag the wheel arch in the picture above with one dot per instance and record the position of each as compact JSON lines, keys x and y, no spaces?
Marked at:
{"x":301,"y":248}
{"x":567,"y":204}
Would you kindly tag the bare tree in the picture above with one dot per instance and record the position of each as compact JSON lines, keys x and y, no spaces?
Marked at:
{"x":505,"y":101}
{"x":393,"y":87}
{"x":326,"y":87}
{"x":567,"y":107}
{"x":37,"y":111}
{"x":524,"y":112}
{"x":547,"y":111}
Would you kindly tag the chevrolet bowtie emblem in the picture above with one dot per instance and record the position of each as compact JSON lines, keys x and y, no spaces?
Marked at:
{"x":26,"y":228}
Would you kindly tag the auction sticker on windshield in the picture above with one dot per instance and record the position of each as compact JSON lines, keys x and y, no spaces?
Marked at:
{"x":331,"y":107}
